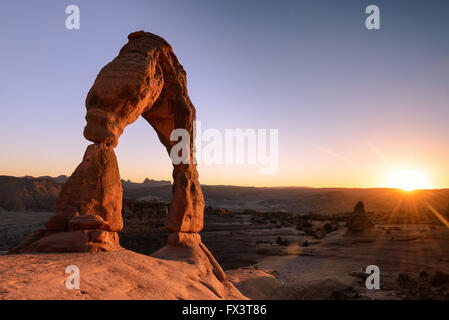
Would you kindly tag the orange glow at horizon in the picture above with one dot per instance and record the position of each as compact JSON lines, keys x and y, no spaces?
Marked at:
{"x":409,"y":179}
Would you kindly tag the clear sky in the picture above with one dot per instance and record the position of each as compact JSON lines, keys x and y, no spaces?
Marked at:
{"x":352,"y":105}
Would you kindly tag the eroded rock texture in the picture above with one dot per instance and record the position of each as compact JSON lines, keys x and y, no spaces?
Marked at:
{"x":91,"y":199}
{"x":146,"y":80}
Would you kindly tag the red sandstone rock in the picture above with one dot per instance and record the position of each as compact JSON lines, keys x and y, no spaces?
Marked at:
{"x":91,"y":199}
{"x":182,"y":273}
{"x":187,"y":248}
{"x":358,"y":221}
{"x":145,"y":79}
{"x":77,"y":241}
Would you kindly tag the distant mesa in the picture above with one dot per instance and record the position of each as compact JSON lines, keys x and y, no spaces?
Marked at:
{"x":156,"y":182}
{"x":358,"y":221}
{"x":58,"y":179}
{"x":28,"y":193}
{"x":39,"y":194}
{"x":130,"y":185}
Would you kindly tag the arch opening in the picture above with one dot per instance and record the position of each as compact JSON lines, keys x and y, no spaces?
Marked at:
{"x":145,"y":79}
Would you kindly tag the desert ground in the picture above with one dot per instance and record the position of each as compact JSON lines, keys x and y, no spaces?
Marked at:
{"x":265,"y":255}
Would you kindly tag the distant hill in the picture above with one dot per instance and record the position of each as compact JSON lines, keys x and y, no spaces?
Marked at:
{"x":40,"y":194}
{"x":59,"y":179}
{"x":303,"y":200}
{"x":28,"y":194}
{"x":129,"y":185}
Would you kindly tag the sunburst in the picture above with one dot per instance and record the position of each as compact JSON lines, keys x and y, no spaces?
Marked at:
{"x":409,"y":179}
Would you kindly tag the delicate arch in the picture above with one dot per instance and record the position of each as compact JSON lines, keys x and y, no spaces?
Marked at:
{"x":145,"y":79}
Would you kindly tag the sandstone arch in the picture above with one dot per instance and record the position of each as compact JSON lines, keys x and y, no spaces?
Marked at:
{"x":146,"y":80}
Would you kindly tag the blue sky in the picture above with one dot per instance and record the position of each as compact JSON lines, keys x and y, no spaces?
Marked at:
{"x":335,"y":90}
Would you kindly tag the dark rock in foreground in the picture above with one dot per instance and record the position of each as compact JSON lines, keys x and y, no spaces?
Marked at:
{"x":358,"y":221}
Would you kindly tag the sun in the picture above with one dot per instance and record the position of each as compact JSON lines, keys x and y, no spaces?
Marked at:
{"x":409,"y":179}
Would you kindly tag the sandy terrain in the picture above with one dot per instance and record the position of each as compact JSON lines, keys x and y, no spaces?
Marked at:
{"x":270,"y":256}
{"x":15,"y":226}
{"x":413,"y":262}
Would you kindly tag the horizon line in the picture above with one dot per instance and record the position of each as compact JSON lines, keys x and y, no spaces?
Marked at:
{"x":245,"y":186}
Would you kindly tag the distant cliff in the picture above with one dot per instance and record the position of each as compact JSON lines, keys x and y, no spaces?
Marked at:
{"x":28,"y":194}
{"x":39,"y":194}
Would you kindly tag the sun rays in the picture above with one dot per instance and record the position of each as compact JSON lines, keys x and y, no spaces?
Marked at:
{"x":409,"y":180}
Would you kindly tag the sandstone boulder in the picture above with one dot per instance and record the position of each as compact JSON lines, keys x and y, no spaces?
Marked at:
{"x":358,"y":221}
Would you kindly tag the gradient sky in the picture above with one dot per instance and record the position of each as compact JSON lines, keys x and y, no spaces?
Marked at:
{"x":352,"y":105}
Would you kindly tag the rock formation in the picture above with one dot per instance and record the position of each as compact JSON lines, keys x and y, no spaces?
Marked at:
{"x":146,"y":80}
{"x":358,"y":221}
{"x":112,"y":275}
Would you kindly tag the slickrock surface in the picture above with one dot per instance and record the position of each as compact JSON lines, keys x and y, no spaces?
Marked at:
{"x":412,"y":259}
{"x":177,"y":273}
